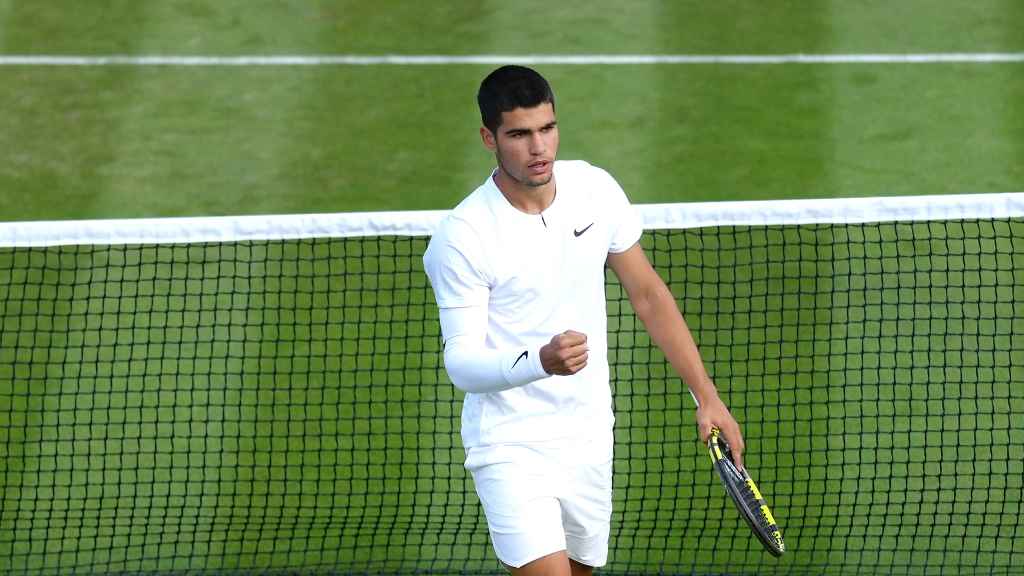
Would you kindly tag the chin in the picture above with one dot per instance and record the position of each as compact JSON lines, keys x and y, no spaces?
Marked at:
{"x":538,"y":183}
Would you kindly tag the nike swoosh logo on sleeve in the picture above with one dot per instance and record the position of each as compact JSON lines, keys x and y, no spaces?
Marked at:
{"x":525,"y":354}
{"x":579,"y":233}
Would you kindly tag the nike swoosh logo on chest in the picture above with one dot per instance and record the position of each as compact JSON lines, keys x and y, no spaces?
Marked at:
{"x":579,"y":233}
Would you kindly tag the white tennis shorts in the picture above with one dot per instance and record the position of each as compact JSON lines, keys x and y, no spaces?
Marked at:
{"x":540,"y":499}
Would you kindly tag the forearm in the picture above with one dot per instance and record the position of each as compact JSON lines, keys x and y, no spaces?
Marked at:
{"x":657,"y":309}
{"x":659,"y":313}
{"x":478,"y":369}
{"x":474,"y":367}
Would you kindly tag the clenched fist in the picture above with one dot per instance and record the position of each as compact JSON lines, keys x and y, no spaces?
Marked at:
{"x":566,"y":354}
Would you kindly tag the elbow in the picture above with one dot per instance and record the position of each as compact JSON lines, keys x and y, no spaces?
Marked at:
{"x":656,"y":306}
{"x":652,"y":302}
{"x":642,"y":307}
{"x":452,"y":365}
{"x":470,"y":370}
{"x":463,"y":384}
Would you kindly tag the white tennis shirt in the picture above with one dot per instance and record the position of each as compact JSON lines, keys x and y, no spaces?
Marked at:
{"x":539,"y":275}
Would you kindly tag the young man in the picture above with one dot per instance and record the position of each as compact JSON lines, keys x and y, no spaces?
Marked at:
{"x":518,"y":272}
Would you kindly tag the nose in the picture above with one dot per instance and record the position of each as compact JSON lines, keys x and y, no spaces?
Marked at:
{"x":537,"y":145}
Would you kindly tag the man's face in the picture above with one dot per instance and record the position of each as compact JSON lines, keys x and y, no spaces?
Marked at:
{"x":525,"y":144}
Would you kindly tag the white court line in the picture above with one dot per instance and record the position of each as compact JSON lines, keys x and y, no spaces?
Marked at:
{"x":497,"y":59}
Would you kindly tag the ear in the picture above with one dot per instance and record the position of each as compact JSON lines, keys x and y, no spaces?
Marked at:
{"x":488,"y":138}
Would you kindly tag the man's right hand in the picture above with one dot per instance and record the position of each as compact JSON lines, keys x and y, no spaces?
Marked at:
{"x":566,"y":354}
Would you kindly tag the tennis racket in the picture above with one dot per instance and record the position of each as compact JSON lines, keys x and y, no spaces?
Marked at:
{"x":744,"y":492}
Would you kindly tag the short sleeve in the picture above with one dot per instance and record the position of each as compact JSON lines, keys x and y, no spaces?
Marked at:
{"x":454,"y":263}
{"x":627,"y":227}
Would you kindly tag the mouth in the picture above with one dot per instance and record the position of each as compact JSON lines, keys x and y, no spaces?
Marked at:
{"x":539,"y":167}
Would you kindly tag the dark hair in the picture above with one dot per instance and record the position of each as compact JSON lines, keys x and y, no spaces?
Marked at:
{"x":508,"y":88}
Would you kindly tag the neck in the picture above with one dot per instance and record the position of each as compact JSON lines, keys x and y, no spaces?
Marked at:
{"x":528,"y":199}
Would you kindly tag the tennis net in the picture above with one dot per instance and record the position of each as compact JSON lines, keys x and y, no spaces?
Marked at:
{"x":266,"y":394}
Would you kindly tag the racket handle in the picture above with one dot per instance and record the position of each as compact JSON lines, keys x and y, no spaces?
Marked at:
{"x":692,"y":395}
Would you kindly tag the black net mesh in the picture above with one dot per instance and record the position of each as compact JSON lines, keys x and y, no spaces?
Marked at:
{"x":281,"y":407}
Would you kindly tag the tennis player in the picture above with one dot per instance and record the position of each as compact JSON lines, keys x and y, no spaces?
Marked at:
{"x":517,"y":269}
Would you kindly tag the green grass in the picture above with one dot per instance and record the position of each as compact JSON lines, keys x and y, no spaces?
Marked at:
{"x":275,"y":411}
{"x":324,"y":140}
{"x":392,"y":26}
{"x":132,"y":142}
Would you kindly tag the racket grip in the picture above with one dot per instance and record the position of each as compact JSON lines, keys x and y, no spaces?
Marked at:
{"x":694,"y":396}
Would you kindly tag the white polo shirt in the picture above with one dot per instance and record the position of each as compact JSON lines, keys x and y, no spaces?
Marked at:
{"x":539,"y":275}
